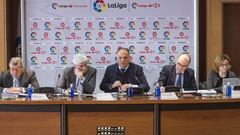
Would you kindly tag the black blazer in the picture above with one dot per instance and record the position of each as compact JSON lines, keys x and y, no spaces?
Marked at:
{"x":168,"y":76}
{"x":135,"y":76}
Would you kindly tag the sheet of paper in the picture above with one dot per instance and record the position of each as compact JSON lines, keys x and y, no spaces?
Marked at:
{"x":37,"y":96}
{"x":235,"y":94}
{"x":104,"y":97}
{"x":209,"y":91}
{"x":168,"y":96}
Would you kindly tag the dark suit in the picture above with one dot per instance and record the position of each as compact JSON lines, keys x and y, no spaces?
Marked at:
{"x":68,"y":77}
{"x":168,"y":76}
{"x":27,"y":77}
{"x":133,"y":75}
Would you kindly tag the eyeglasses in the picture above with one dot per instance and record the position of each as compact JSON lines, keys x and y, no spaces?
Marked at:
{"x":185,"y":66}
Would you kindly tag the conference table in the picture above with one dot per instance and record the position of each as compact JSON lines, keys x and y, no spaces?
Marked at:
{"x":137,"y":115}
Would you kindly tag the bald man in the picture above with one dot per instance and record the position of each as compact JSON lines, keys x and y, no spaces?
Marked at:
{"x":179,"y":74}
{"x":118,"y":76}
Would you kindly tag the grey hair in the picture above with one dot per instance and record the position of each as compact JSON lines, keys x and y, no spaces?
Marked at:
{"x":16,"y":61}
{"x":80,"y":58}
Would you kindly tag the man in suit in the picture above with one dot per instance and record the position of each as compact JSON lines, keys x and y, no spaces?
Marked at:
{"x":119,"y":75}
{"x":17,"y":78}
{"x":179,"y":74}
{"x":81,"y":75}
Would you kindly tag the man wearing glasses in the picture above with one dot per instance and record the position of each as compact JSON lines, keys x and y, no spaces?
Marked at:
{"x":118,"y":76}
{"x":81,"y":75}
{"x":179,"y":74}
{"x":16,"y":80}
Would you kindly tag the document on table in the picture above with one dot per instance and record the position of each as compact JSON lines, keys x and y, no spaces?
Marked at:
{"x":104,"y":97}
{"x":36,"y":96}
{"x":235,"y":94}
{"x":168,"y":96}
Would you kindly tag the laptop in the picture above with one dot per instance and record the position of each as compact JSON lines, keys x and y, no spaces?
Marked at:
{"x":233,"y":81}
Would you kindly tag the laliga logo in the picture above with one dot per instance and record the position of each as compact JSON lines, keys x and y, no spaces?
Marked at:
{"x":102,"y":25}
{"x":131,"y":49}
{"x":185,"y":48}
{"x":142,"y":59}
{"x":161,"y":49}
{"x":88,"y":35}
{"x":77,"y":49}
{"x":107,"y":49}
{"x":99,"y":6}
{"x":100,"y":34}
{"x":112,"y":35}
{"x":171,"y":58}
{"x":77,"y":25}
{"x":54,"y":5}
{"x":142,"y":34}
{"x":58,"y":35}
{"x":33,"y":35}
{"x":156,"y":24}
{"x":47,"y":25}
{"x":131,"y":25}
{"x":186,"y":24}
{"x":34,"y":59}
{"x":64,"y":60}
{"x":166,"y":34}
{"x":53,"y":49}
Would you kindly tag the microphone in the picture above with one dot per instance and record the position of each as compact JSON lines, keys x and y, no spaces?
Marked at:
{"x":59,"y":75}
{"x":135,"y":77}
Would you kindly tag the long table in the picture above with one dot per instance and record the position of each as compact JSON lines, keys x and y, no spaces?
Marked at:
{"x":138,"y":115}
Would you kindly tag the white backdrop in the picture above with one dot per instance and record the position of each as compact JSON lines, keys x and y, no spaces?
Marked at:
{"x":155,"y":31}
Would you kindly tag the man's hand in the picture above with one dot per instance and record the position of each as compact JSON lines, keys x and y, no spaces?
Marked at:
{"x":116,"y":84}
{"x":124,"y":87}
{"x":14,"y":90}
{"x":162,"y":89}
{"x":79,"y":74}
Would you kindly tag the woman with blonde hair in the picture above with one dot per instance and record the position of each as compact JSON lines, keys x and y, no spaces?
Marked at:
{"x":221,"y":70}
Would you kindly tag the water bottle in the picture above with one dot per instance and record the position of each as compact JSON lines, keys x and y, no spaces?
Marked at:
{"x":29,"y":91}
{"x":71,"y":91}
{"x":228,"y":90}
{"x":130,"y":90}
{"x":157,"y":90}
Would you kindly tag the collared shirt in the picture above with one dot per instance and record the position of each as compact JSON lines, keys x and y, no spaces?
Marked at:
{"x":121,"y":68}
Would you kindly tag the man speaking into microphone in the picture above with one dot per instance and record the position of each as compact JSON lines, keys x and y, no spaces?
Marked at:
{"x":118,"y":76}
{"x":81,"y":75}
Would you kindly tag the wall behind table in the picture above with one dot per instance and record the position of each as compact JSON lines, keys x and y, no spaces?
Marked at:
{"x":155,"y":32}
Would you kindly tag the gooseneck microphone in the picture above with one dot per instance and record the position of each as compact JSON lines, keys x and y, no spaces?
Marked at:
{"x":59,"y":75}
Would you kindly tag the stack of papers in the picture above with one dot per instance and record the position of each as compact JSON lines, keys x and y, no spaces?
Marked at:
{"x":168,"y":96}
{"x":207,"y":93}
{"x":104,"y":97}
{"x":39,"y":97}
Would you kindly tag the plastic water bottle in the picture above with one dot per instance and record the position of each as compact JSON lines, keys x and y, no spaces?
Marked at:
{"x":71,"y":91}
{"x":29,"y":91}
{"x":157,"y":90}
{"x":228,"y":90}
{"x":130,"y":90}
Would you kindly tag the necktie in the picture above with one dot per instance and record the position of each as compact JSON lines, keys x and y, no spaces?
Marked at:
{"x":79,"y":86}
{"x":179,"y":80}
{"x":15,"y":83}
{"x":123,"y":70}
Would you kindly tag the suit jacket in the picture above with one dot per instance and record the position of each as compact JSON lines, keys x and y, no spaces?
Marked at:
{"x":168,"y":76}
{"x":213,"y":78}
{"x":135,"y":76}
{"x":27,"y":77}
{"x":68,"y":77}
